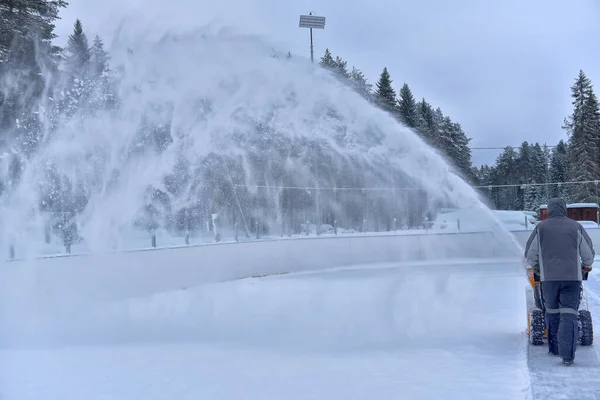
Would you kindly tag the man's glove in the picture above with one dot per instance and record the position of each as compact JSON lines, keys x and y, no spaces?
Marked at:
{"x":536,"y":272}
{"x":585,"y":271}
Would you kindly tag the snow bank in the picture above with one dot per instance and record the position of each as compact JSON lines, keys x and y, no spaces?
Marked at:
{"x":69,"y":282}
{"x":360,"y":333}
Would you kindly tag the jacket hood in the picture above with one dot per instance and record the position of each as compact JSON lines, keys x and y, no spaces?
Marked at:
{"x":557,"y":208}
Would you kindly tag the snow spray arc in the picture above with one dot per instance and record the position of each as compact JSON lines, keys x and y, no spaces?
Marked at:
{"x":218,"y":127}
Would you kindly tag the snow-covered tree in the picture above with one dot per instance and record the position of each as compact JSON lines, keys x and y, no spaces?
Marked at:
{"x":327,"y":61}
{"x":559,"y":171}
{"x":341,"y":68}
{"x":407,"y":107}
{"x":539,"y":170}
{"x":532,"y":198}
{"x":461,"y":152}
{"x":27,"y":60}
{"x":78,"y":51}
{"x":583,"y":128}
{"x":426,"y":122}
{"x":505,"y":173}
{"x":98,"y":58}
{"x":385,"y":95}
{"x":360,"y":84}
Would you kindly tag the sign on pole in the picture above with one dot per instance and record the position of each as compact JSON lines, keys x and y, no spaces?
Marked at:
{"x":311,"y":22}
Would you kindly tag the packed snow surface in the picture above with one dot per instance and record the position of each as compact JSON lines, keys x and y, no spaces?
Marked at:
{"x":378,"y":332}
{"x":449,"y":330}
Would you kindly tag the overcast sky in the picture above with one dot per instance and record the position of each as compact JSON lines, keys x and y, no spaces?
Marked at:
{"x":502,"y":69}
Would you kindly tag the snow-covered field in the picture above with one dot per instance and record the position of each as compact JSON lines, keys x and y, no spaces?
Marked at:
{"x":379,"y":332}
{"x":417,"y":330}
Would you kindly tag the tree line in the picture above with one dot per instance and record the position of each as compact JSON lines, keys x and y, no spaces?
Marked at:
{"x":521,"y":178}
{"x":526,"y":177}
{"x":435,"y":128}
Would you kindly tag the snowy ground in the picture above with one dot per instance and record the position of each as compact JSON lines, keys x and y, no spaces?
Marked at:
{"x":373,"y":332}
{"x":379,"y":332}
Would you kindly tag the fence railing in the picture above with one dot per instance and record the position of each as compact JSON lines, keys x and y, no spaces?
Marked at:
{"x":60,"y":234}
{"x":240,"y":213}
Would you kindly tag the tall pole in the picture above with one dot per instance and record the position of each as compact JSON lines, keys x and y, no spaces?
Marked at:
{"x":312,"y":59}
{"x":312,"y":21}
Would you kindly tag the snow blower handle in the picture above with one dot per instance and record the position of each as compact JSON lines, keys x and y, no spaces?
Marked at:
{"x":585,"y":271}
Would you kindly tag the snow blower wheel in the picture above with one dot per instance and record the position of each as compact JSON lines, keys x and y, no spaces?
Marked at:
{"x":586,"y":330}
{"x":537,"y":327}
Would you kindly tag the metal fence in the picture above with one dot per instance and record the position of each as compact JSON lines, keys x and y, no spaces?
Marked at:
{"x":255,"y":212}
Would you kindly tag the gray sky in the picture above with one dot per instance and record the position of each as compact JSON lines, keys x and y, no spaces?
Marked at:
{"x":502,"y":69}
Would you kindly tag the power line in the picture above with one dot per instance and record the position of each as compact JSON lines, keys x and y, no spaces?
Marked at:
{"x":538,"y":184}
{"x":383,"y":189}
{"x":500,"y":148}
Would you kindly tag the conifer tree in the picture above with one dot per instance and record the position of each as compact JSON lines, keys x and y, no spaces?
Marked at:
{"x":98,"y":57}
{"x":385,"y":95}
{"x":461,"y":152}
{"x":78,"y":50}
{"x":532,"y":198}
{"x":583,"y":128}
{"x":445,"y":139}
{"x":327,"y":61}
{"x":407,"y":107}
{"x":27,"y":58}
{"x":427,"y":123}
{"x":341,"y":69}
{"x":360,"y":84}
{"x":504,"y":173}
{"x":559,"y":171}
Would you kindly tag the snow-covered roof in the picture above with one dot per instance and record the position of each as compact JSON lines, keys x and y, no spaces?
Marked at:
{"x":575,"y":205}
{"x":582,"y":205}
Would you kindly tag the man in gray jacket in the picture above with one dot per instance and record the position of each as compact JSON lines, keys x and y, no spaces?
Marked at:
{"x":560,"y":251}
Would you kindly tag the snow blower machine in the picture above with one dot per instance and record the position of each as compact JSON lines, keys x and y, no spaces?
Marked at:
{"x":536,"y":322}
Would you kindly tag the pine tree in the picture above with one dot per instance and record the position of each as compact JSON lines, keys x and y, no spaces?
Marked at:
{"x":385,"y":95}
{"x":341,"y":69}
{"x":327,"y":61}
{"x":98,"y":58}
{"x":26,"y":59}
{"x":524,"y":164}
{"x":407,"y":107}
{"x":559,"y":171}
{"x":539,"y":170}
{"x":532,"y":198}
{"x":88,"y":89}
{"x":426,"y":122}
{"x":484,"y":178}
{"x":461,"y":152}
{"x":539,"y":164}
{"x":78,"y":50}
{"x":583,"y":128}
{"x":444,"y":141}
{"x":504,"y":173}
{"x":360,"y":84}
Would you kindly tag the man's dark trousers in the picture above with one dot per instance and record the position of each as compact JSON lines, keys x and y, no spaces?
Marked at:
{"x":561,"y":299}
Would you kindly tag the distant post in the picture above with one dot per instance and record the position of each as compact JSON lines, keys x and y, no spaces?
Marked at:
{"x":311,"y":22}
